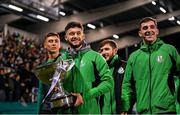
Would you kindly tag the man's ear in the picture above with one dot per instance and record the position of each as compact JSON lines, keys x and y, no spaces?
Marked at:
{"x":65,"y":37}
{"x":140,"y":34}
{"x":157,"y":31}
{"x":44,"y":46}
{"x":115,"y":50}
{"x":83,"y":36}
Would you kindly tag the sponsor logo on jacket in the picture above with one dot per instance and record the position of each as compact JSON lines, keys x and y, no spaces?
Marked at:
{"x":121,"y":70}
{"x":159,"y":59}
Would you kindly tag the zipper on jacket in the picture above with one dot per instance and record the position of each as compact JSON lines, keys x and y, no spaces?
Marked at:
{"x":150,"y":73}
{"x":111,"y":102}
{"x":72,"y":110}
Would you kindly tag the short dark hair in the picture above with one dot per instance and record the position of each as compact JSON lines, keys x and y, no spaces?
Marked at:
{"x":112,"y":43}
{"x":51,"y":34}
{"x":73,"y":25}
{"x":146,"y":19}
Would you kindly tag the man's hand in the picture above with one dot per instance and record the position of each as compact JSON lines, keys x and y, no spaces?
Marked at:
{"x":124,"y":113}
{"x":56,"y":89}
{"x":79,"y":99}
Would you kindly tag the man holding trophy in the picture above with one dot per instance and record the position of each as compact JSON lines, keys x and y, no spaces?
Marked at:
{"x":90,"y":77}
{"x":54,"y":54}
{"x":78,"y":79}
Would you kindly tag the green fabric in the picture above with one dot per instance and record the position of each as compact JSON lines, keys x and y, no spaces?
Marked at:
{"x":80,"y":80}
{"x":109,"y":108}
{"x":138,"y":69}
{"x":177,"y":84}
{"x":43,"y":88}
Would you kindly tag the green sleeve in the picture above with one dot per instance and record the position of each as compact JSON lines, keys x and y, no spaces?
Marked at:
{"x":176,"y":58}
{"x":177,"y":77}
{"x":40,"y":97}
{"x":126,"y":88}
{"x":106,"y":82}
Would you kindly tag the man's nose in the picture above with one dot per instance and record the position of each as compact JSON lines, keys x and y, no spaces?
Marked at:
{"x":75,"y":35}
{"x":149,"y":29}
{"x":53,"y":43}
{"x":147,"y":33}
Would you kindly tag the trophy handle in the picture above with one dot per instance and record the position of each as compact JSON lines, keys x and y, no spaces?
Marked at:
{"x":65,"y":65}
{"x":71,"y":64}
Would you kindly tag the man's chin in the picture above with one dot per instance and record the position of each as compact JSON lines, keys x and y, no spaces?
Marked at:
{"x":150,"y":38}
{"x":107,"y":58}
{"x":75,"y":45}
{"x":54,"y":51}
{"x":149,"y":41}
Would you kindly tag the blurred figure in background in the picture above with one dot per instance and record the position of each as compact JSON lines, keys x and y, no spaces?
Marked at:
{"x":16,"y":63}
{"x":108,"y":49}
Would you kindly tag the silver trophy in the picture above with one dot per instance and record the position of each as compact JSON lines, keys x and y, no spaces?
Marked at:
{"x":53,"y":74}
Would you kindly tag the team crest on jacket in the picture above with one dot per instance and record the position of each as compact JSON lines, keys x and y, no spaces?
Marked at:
{"x":82,"y":64}
{"x":159,"y":59}
{"x":121,"y":70}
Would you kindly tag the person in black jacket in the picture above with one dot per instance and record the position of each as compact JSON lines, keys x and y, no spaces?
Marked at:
{"x":108,"y":49}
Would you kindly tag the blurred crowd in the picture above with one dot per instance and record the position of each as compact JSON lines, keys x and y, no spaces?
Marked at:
{"x":18,"y":57}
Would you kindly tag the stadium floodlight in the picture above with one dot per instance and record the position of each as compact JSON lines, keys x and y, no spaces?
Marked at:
{"x":171,"y":18}
{"x":15,"y":8}
{"x":62,"y":13}
{"x":41,"y":9}
{"x":91,"y":26}
{"x":42,"y":18}
{"x":178,"y":22}
{"x":115,"y":36}
{"x":162,"y":9}
{"x":153,"y":2}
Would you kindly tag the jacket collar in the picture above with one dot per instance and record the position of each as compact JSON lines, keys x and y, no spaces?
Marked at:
{"x":152,"y":47}
{"x":112,"y":61}
{"x":85,"y":47}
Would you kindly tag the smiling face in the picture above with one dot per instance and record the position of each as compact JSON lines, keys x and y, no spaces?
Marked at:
{"x":148,"y":31}
{"x":52,"y":44}
{"x":75,"y":37}
{"x":107,"y":51}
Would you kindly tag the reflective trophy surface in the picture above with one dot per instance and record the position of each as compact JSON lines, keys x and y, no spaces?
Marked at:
{"x":53,"y":74}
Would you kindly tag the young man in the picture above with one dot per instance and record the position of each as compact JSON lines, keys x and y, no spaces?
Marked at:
{"x":52,"y":46}
{"x":90,"y":77}
{"x":152,"y":68}
{"x":108,"y":49}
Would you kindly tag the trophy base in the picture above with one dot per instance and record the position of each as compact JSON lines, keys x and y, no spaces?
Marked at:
{"x":63,"y":102}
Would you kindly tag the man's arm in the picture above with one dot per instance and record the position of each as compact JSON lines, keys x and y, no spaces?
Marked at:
{"x":106,"y":81}
{"x":126,"y":88}
{"x":177,"y":60}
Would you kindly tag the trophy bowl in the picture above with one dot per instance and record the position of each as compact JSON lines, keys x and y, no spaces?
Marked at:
{"x":53,"y":74}
{"x":45,"y":72}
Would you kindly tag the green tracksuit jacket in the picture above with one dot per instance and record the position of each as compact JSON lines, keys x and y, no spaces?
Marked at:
{"x":108,"y":99}
{"x":44,"y":108}
{"x":117,"y":67}
{"x":91,"y":77}
{"x":151,"y":68}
